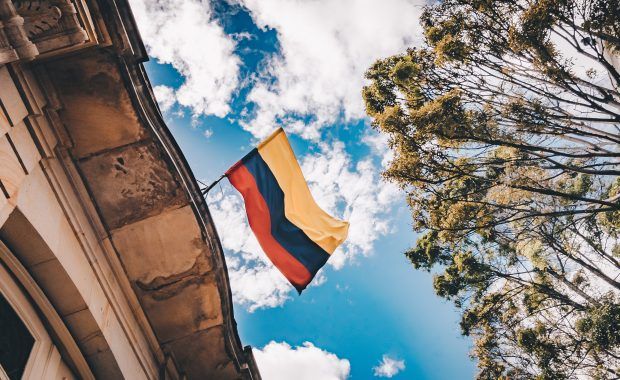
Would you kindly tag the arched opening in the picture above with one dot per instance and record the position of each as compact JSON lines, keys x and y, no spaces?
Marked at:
{"x":26,"y":348}
{"x":16,"y":342}
{"x":47,"y":290}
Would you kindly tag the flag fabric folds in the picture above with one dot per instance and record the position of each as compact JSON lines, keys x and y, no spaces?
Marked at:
{"x":294,"y":232}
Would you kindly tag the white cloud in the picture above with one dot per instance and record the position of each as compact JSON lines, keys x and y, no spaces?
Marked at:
{"x":326,"y":46}
{"x":243,"y":36}
{"x":378,"y":142}
{"x":183,"y":33}
{"x":388,"y":367}
{"x":280,"y":361}
{"x":207,"y":133}
{"x":165,"y":97}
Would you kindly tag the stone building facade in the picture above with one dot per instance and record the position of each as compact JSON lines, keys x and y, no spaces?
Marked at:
{"x":110,"y":266}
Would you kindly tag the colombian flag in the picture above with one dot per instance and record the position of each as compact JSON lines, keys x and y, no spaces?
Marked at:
{"x":295,"y":233}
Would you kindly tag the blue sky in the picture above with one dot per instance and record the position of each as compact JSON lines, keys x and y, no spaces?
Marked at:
{"x":228,"y":73}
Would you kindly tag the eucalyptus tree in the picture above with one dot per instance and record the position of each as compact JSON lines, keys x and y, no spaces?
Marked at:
{"x":505,"y":127}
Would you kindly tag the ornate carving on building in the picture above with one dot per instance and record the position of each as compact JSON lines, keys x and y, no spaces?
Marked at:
{"x":14,"y":41}
{"x":39,"y":16}
{"x":30,"y":28}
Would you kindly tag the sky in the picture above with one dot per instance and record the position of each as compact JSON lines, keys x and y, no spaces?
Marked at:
{"x":226,"y":73}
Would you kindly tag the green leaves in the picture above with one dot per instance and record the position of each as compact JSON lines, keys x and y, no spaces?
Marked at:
{"x":509,"y":159}
{"x":603,"y":21}
{"x":601,"y":326}
{"x":404,"y":72}
{"x":427,"y":252}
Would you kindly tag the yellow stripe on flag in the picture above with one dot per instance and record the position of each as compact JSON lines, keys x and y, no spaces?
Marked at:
{"x":299,"y":205}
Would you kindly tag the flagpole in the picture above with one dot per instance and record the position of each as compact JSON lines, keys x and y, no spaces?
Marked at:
{"x":206,"y":189}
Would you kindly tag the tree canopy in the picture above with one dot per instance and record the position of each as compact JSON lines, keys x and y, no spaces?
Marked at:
{"x":505,"y":128}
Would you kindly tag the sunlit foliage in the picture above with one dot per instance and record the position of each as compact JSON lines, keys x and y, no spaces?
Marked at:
{"x":505,"y":128}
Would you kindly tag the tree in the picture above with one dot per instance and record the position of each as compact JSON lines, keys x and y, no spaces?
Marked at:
{"x":505,"y":127}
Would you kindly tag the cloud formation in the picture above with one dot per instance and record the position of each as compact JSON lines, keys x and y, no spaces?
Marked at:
{"x":184,"y":34}
{"x":388,"y":367}
{"x":379,"y":144}
{"x":326,"y":46}
{"x":280,"y":361}
{"x":165,"y":97}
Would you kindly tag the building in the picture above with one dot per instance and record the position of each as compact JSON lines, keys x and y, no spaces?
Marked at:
{"x":110,"y":266}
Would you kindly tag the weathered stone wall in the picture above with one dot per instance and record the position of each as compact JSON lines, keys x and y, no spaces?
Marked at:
{"x":146,"y":210}
{"x":43,"y":224}
{"x":99,"y":206}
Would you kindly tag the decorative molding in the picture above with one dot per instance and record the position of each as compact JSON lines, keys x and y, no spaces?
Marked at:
{"x":67,"y":32}
{"x":14,"y":41}
{"x":39,"y":16}
{"x":31,"y":28}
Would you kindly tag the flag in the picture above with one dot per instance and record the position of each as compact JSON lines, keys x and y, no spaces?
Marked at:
{"x":294,"y":232}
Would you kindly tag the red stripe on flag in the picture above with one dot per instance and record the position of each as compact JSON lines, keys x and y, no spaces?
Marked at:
{"x":260,"y":222}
